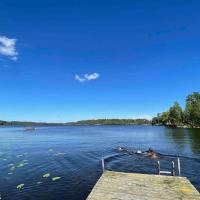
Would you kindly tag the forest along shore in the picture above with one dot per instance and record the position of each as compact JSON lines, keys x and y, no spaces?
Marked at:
{"x":189,"y":117}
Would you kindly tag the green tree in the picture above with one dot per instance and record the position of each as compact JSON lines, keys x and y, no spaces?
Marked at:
{"x":157,"y":120}
{"x":165,"y":118}
{"x":192,"y":110}
{"x":175,"y":117}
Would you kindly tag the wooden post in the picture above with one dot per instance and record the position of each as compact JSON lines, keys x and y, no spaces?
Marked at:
{"x":173,"y":171}
{"x":103,"y":165}
{"x":179,"y":166}
{"x":158,"y":166}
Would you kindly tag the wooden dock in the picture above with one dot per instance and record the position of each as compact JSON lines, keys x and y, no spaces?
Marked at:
{"x":131,"y":186}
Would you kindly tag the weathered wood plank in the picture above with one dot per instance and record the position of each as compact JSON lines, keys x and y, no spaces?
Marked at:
{"x":130,"y":186}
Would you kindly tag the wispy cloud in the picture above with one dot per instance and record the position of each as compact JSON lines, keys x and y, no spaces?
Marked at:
{"x":78,"y":78}
{"x":87,"y":77}
{"x":8,"y":47}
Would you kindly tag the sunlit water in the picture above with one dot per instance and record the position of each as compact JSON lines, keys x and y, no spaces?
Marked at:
{"x":73,"y":154}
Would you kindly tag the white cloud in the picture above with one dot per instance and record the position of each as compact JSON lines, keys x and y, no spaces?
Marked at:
{"x":78,"y":78}
{"x":91,"y":76}
{"x":8,"y":48}
{"x":87,"y":77}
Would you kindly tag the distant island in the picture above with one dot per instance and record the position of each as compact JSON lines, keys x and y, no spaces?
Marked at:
{"x":189,"y":117}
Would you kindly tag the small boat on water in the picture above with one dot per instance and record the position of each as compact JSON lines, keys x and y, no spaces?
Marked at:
{"x":30,"y":129}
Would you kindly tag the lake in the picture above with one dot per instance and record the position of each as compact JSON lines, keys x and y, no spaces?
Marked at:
{"x":57,"y":163}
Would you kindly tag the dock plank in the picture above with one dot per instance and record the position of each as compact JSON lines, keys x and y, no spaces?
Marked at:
{"x":131,"y":186}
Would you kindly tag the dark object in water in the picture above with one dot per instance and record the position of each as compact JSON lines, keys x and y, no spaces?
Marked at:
{"x":30,"y":129}
{"x":150,"y":152}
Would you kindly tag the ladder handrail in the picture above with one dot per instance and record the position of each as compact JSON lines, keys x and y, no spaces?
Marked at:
{"x":173,"y":168}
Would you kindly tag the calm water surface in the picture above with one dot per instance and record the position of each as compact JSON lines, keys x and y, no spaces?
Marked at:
{"x":73,"y":154}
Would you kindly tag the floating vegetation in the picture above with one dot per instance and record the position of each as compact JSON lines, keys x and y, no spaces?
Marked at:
{"x":46,"y":175}
{"x":59,"y":154}
{"x":21,"y":165}
{"x":56,"y":178}
{"x":20,"y":186}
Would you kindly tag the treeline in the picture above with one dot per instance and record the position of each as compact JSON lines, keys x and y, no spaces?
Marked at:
{"x":20,"y":123}
{"x":178,"y":117}
{"x":82,"y":122}
{"x":111,"y":122}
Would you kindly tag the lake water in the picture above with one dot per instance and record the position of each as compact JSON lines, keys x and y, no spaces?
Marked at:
{"x":73,"y":154}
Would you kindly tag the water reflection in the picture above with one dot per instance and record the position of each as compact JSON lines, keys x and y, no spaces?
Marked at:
{"x":194,"y":135}
{"x":186,"y":141}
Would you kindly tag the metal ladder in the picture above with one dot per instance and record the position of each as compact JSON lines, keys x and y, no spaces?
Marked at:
{"x":172,"y":172}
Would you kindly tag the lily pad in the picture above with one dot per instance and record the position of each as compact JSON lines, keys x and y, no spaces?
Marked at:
{"x":20,"y":186}
{"x":21,"y":165}
{"x":56,"y":178}
{"x":46,"y":175}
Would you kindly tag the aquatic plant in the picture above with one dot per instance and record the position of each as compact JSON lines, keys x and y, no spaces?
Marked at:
{"x":56,"y":178}
{"x":20,"y":186}
{"x":46,"y":175}
{"x":22,"y":165}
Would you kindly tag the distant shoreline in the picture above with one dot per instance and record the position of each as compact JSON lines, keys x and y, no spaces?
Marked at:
{"x":92,"y":122}
{"x":81,"y":122}
{"x":26,"y":123}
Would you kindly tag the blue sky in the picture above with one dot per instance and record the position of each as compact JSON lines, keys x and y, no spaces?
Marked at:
{"x":69,"y":60}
